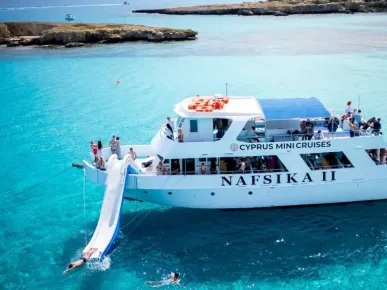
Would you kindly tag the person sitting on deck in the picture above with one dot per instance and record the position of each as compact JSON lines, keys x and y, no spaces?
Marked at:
{"x":172,"y":280}
{"x":180,"y":136}
{"x":132,"y":154}
{"x":203,"y":169}
{"x":253,"y":136}
{"x":175,"y":167}
{"x":81,"y":261}
{"x":161,"y":169}
{"x":101,"y":164}
{"x":319,"y":135}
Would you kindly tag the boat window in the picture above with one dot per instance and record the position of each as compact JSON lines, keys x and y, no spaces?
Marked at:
{"x":220,"y":127}
{"x":193,"y":126}
{"x":252,"y":164}
{"x":188,"y":166}
{"x":378,"y":156}
{"x":326,"y":160}
{"x":202,"y":159}
{"x":253,"y":131}
{"x":180,"y":122}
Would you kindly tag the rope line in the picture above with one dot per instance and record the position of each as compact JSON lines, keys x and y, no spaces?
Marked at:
{"x":39,"y":183}
{"x":84,"y":205}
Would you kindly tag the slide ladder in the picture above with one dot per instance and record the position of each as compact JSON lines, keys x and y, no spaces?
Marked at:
{"x":108,"y":226}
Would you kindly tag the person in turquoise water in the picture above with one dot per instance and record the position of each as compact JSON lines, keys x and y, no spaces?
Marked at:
{"x":172,"y":280}
{"x":81,"y":261}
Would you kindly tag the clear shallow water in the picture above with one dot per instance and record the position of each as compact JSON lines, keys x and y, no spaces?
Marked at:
{"x":55,"y":101}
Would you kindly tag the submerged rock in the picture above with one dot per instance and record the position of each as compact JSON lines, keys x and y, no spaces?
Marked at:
{"x":74,"y":44}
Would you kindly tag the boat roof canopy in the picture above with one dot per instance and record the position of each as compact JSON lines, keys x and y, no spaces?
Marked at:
{"x":293,"y":108}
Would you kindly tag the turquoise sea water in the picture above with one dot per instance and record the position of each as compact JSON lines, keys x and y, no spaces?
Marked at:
{"x":55,"y":101}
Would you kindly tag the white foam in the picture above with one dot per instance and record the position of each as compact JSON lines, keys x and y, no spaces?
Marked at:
{"x":96,"y":265}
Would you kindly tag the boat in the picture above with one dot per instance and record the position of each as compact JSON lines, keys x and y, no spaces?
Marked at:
{"x":240,"y":152}
{"x":69,"y":17}
{"x":125,"y":3}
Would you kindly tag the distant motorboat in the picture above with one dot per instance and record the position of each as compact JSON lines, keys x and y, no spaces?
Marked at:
{"x":69,"y":17}
{"x":126,"y":3}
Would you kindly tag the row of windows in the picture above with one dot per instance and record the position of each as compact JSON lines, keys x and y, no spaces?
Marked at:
{"x":260,"y":164}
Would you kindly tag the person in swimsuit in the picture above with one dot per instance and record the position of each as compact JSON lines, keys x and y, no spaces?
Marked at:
{"x":173,"y":279}
{"x":81,"y":261}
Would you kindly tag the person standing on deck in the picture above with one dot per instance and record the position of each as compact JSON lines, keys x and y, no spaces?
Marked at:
{"x":113,"y":145}
{"x":377,"y":127}
{"x":118,"y":147}
{"x":348,"y":109}
{"x":171,"y":123}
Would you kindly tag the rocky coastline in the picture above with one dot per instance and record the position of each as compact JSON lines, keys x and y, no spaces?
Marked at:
{"x":15,"y":34}
{"x":278,"y":8}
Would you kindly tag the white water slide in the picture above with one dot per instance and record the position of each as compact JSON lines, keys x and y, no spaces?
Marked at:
{"x":108,"y":226}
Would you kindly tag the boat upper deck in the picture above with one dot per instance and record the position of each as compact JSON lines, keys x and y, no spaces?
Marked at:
{"x":207,"y":107}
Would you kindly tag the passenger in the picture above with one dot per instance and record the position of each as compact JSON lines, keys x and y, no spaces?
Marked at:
{"x":242,"y":167}
{"x":319,"y":135}
{"x":118,"y":148}
{"x":169,"y":132}
{"x":272,"y":163}
{"x":348,"y":109}
{"x":213,"y":166}
{"x":171,"y":123}
{"x":161,"y":169}
{"x":81,"y":261}
{"x":172,"y":280}
{"x":371,"y":121}
{"x":346,"y":119}
{"x":175,"y":167}
{"x":332,"y":126}
{"x":100,"y":146}
{"x":304,"y":130}
{"x":132,"y":154}
{"x":353,"y":128}
{"x":113,"y":145}
{"x":203,"y":169}
{"x":253,"y":136}
{"x":180,"y":136}
{"x":377,"y":127}
{"x":359,"y":118}
{"x":101,"y":164}
{"x":94,"y":148}
{"x":310,"y":131}
{"x":382,"y":155}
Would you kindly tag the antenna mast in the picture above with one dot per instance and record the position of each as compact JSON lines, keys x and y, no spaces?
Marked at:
{"x":226,"y":90}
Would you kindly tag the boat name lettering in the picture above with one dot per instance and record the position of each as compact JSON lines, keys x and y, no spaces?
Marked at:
{"x":274,"y":179}
{"x":287,"y":145}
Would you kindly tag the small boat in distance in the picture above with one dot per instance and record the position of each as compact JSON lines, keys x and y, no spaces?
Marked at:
{"x":126,"y":3}
{"x":69,"y":17}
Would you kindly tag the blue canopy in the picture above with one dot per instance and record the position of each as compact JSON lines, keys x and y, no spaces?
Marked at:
{"x":293,"y":108}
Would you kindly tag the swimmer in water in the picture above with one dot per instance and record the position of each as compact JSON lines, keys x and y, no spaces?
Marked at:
{"x":81,"y":261}
{"x":173,"y":279}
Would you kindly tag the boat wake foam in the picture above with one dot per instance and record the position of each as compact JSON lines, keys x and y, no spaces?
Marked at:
{"x":97,"y":265}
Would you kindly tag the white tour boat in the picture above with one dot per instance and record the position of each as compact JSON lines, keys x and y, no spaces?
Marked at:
{"x":242,"y":152}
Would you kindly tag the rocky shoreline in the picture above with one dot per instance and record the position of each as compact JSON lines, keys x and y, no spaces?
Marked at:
{"x":78,"y":34}
{"x":277,"y":8}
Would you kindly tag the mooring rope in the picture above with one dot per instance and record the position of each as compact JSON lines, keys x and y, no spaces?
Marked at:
{"x":39,"y":183}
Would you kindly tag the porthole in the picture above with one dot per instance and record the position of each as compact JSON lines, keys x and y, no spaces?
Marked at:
{"x":212,"y":193}
{"x":250,"y":192}
{"x":169,"y":193}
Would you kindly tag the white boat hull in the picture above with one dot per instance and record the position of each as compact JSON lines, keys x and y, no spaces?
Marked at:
{"x":265,"y":196}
